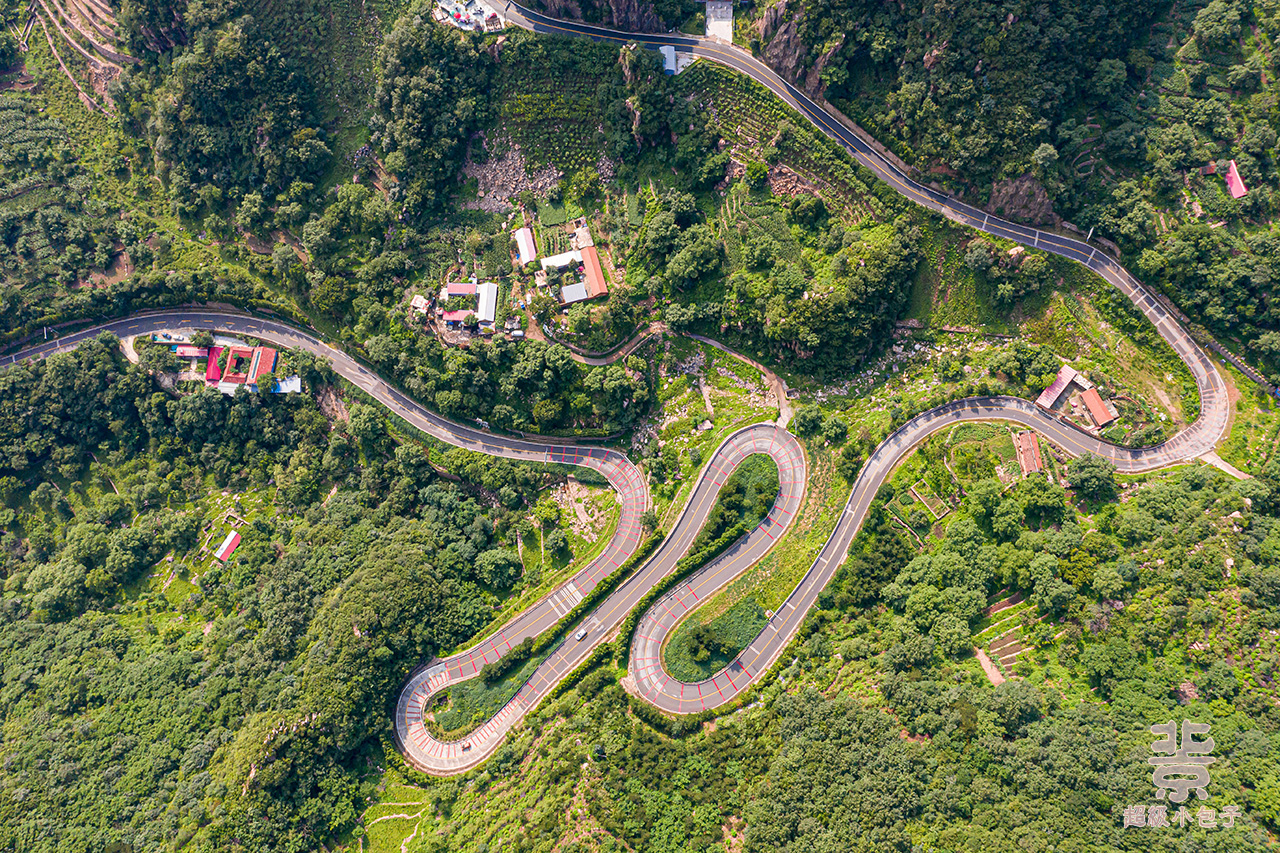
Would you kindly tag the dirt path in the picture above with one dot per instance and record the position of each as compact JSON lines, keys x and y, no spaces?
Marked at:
{"x":1222,"y":465}
{"x":779,"y":387}
{"x":992,"y":671}
{"x":706,"y":396}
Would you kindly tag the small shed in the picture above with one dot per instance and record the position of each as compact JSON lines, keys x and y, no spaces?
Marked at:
{"x":1098,"y":410}
{"x":1066,"y":375}
{"x":562,"y":260}
{"x":1028,"y":447}
{"x":526,"y":251}
{"x":571,"y":293}
{"x":488,"y":309}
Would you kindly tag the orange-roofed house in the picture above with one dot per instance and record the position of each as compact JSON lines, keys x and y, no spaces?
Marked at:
{"x":1235,"y":185}
{"x":593,"y":274}
{"x":1098,"y":410}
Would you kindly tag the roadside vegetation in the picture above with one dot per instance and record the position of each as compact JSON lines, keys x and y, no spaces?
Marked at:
{"x":329,"y":162}
{"x":357,"y":560}
{"x":1107,"y":604}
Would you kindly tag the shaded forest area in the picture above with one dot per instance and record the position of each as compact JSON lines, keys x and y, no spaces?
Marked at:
{"x":240,"y":714}
{"x":1109,"y":112}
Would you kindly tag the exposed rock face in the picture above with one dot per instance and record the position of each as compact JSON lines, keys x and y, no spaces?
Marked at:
{"x":773,"y":19}
{"x":503,"y":178}
{"x":635,"y":15}
{"x":813,"y":80}
{"x":934,"y":56}
{"x":1022,"y":200}
{"x":568,"y":9}
{"x":784,"y":52}
{"x":164,"y":38}
{"x":782,"y":180}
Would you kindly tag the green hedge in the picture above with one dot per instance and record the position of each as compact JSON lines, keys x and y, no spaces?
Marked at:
{"x":687,"y":565}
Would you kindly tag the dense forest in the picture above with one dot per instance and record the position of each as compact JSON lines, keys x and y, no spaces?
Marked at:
{"x":1103,"y":114}
{"x":317,"y":159}
{"x":239,"y":714}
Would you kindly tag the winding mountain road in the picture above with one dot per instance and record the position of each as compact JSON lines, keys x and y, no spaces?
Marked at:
{"x":651,"y":682}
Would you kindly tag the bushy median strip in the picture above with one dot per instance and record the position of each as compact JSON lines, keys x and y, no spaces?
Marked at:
{"x":532,"y":647}
{"x":686,"y":566}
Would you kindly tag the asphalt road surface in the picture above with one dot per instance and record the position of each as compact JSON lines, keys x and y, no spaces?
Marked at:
{"x":651,"y":682}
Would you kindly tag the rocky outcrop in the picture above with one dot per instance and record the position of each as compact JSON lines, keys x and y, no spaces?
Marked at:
{"x":784,"y":51}
{"x":1022,"y":200}
{"x":781,"y":179}
{"x":636,"y":15}
{"x":813,"y":80}
{"x":164,"y":38}
{"x":772,"y":19}
{"x":568,"y":9}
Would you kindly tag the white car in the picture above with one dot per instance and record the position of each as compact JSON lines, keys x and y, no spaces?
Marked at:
{"x":581,"y":635}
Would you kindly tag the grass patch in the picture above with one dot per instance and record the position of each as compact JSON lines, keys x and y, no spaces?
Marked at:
{"x":697,"y":651}
{"x":470,"y":703}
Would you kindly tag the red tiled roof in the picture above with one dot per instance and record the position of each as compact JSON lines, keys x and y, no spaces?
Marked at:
{"x":595,"y":281}
{"x":1097,"y":409}
{"x":212,"y":373}
{"x":238,"y":354}
{"x":264,"y":362}
{"x":1029,"y":453}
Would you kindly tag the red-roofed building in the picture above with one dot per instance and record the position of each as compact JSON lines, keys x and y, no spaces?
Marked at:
{"x":238,"y":360}
{"x":454,"y":289}
{"x":593,"y":274}
{"x":244,"y":366}
{"x":212,"y":373}
{"x":1235,"y":186}
{"x":1028,"y":447}
{"x":1066,"y":375}
{"x":264,"y":361}
{"x":1097,"y":408}
{"x":228,"y":546}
